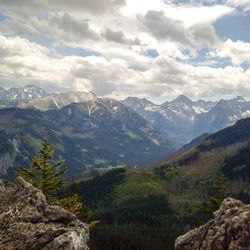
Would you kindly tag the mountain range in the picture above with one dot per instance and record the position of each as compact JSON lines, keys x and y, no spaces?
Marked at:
{"x":183,"y":119}
{"x":91,"y":132}
{"x":175,"y":118}
{"x":32,"y":96}
{"x":13,"y":96}
{"x":162,"y":201}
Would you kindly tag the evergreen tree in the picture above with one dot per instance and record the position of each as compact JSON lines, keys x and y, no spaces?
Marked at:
{"x":73,"y":202}
{"x":43,"y":173}
{"x":218,"y":193}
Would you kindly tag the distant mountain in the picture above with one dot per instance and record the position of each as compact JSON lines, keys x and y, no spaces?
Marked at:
{"x":29,"y":92}
{"x":225,"y":113}
{"x":58,"y":100}
{"x":181,"y":120}
{"x":13,"y":96}
{"x":175,"y":118}
{"x":92,"y":134}
{"x":31,"y":96}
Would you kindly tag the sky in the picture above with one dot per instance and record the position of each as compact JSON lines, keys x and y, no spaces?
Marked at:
{"x":156,"y":49}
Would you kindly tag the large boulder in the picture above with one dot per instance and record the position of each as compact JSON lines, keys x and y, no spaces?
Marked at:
{"x":230,"y":229}
{"x":28,"y":222}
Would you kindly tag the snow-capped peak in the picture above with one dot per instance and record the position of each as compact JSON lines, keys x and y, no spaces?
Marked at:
{"x":239,"y":99}
{"x":183,"y":99}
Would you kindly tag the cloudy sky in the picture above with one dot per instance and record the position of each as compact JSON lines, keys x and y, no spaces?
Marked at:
{"x":118,"y":48}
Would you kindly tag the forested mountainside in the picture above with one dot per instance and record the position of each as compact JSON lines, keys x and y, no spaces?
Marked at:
{"x":166,"y":201}
{"x":92,"y":134}
{"x":234,"y":138}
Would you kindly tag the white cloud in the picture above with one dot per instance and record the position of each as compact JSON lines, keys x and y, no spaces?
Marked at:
{"x":245,"y":4}
{"x":164,"y":28}
{"x":24,"y":60}
{"x":76,"y":26}
{"x":205,"y":33}
{"x":32,"y":7}
{"x":122,"y":35}
{"x":189,"y":14}
{"x":119,"y":37}
{"x":238,"y":52}
{"x":59,"y":26}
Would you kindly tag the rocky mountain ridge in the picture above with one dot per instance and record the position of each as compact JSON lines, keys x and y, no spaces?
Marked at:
{"x":181,"y":119}
{"x":28,"y":92}
{"x":32,"y":96}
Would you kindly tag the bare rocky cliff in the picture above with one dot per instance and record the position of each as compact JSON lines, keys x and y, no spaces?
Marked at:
{"x":28,"y":222}
{"x":229,"y":230}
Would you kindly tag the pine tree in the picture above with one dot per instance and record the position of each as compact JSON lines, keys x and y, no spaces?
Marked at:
{"x":73,"y":202}
{"x":218,"y":193}
{"x":43,"y":173}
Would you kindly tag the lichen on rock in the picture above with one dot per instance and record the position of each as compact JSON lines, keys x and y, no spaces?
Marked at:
{"x":28,"y":222}
{"x":230,"y":229}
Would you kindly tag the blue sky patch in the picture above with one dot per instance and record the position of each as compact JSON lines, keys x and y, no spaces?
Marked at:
{"x":236,"y":27}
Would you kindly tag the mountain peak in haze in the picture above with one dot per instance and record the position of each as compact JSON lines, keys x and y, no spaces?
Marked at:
{"x":239,"y":99}
{"x":183,"y":99}
{"x":59,"y":100}
{"x":137,"y":100}
{"x":28,"y":92}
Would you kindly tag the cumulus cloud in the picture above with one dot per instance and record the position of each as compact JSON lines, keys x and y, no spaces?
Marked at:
{"x":123,"y":35}
{"x":68,"y":26}
{"x":245,"y":4}
{"x":205,"y":33}
{"x":25,"y":60}
{"x":63,"y":27}
{"x":119,"y":37}
{"x":20,"y":7}
{"x":164,"y":28}
{"x":238,"y":52}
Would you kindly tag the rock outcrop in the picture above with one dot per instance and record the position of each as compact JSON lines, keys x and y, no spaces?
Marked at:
{"x":230,"y":229}
{"x":28,"y":222}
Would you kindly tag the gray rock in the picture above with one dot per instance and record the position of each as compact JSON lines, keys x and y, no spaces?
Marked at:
{"x":28,"y":222}
{"x":230,"y":229}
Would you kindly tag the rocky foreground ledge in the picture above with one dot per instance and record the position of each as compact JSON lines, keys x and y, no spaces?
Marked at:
{"x":28,"y":222}
{"x":230,"y":229}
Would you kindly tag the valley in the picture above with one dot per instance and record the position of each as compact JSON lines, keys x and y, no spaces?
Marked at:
{"x":125,"y":125}
{"x":91,"y":132}
{"x":134,"y":172}
{"x":169,"y":199}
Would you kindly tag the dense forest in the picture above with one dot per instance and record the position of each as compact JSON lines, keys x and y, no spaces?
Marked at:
{"x":148,"y":209}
